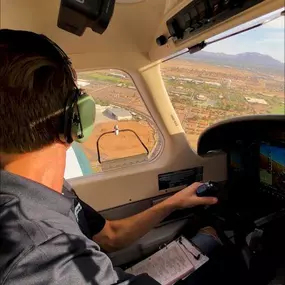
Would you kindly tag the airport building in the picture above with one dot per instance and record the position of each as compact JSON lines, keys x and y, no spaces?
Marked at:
{"x":82,"y":83}
{"x":256,"y":101}
{"x":120,"y":114}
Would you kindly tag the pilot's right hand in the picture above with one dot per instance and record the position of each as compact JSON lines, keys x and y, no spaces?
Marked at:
{"x":187,"y":198}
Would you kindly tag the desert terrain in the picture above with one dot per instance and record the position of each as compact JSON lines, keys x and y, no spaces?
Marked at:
{"x":202,"y":94}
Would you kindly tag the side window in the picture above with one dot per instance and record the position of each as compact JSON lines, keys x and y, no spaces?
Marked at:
{"x":228,"y":79}
{"x":124,"y":134}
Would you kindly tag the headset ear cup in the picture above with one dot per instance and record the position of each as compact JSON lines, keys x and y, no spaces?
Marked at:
{"x":87,"y":112}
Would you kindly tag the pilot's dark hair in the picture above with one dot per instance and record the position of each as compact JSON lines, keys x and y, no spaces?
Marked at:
{"x":34,"y":85}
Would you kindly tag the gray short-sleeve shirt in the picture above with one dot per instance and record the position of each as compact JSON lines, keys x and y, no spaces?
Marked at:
{"x":41,"y":242}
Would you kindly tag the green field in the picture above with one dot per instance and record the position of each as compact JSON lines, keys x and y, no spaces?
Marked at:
{"x":101,"y":77}
{"x":278,"y":110}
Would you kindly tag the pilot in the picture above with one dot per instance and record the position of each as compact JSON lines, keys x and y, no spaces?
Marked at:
{"x":47,"y":235}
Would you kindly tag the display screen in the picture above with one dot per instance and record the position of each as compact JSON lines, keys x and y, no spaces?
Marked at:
{"x":272,"y":166}
{"x":236,"y":161}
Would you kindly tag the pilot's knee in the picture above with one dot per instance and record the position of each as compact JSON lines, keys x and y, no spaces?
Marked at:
{"x":207,"y":240}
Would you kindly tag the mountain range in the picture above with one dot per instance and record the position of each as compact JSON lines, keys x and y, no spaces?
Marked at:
{"x":250,"y":60}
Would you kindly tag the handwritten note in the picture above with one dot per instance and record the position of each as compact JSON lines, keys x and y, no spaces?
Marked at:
{"x":166,"y":266}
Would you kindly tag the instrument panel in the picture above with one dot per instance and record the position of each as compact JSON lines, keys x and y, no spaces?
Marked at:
{"x":255,"y":148}
{"x":261,"y":164}
{"x":272,"y":168}
{"x":252,"y":207}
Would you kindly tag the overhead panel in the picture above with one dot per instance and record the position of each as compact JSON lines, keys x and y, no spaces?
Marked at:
{"x":200,"y":15}
{"x":192,"y":22}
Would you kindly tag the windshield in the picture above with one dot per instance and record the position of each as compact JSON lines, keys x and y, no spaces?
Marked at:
{"x":242,"y":75}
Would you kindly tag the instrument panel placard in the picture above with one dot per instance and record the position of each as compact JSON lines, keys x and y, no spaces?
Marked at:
{"x":180,"y":178}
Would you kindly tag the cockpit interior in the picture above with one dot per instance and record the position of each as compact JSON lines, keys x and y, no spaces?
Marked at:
{"x":147,"y":101}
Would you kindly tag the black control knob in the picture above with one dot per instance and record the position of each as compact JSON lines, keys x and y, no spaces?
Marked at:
{"x":208,"y":189}
{"x":162,"y":40}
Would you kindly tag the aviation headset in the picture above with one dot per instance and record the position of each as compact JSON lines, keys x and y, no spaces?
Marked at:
{"x":80,"y":110}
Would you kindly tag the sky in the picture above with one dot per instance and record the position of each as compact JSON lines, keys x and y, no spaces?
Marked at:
{"x":267,"y":39}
